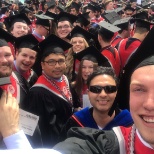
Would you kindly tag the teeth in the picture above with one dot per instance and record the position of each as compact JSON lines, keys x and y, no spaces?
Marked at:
{"x":149,"y":119}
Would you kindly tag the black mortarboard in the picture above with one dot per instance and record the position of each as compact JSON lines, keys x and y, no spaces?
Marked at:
{"x":9,"y":21}
{"x":4,"y":9}
{"x":64,"y":16}
{"x":92,"y":7}
{"x":107,"y":29}
{"x":43,"y":20}
{"x":122,"y":23}
{"x":144,"y":51}
{"x":26,"y":41}
{"x":111,"y":17}
{"x":75,"y":5}
{"x":52,"y":15}
{"x":141,"y":20}
{"x":52,"y":44}
{"x":128,"y":7}
{"x":51,"y":4}
{"x":61,"y":7}
{"x":91,"y":52}
{"x":80,"y":32}
{"x":24,"y":9}
{"x":6,"y":37}
{"x":81,"y":19}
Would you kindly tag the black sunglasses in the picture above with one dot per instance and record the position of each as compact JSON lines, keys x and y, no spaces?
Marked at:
{"x":107,"y":89}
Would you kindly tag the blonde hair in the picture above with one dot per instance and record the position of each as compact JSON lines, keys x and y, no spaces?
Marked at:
{"x":70,"y":60}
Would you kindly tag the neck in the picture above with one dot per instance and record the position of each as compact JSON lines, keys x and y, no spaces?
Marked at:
{"x":102,"y":119}
{"x":51,"y":78}
{"x":104,"y":44}
{"x":139,"y":36}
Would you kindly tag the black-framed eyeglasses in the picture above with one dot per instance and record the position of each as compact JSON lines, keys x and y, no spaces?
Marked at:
{"x":46,"y":28}
{"x":54,"y":62}
{"x":108,"y":89}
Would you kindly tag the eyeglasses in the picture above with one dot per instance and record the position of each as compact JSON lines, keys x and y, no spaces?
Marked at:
{"x":54,"y":62}
{"x":107,"y":89}
{"x":64,"y":27}
{"x":46,"y":28}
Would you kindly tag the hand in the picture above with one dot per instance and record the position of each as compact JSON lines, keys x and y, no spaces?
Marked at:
{"x":9,"y":115}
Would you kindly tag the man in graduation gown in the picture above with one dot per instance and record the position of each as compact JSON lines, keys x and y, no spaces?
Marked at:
{"x":129,"y":45}
{"x":105,"y":34}
{"x":137,"y":80}
{"x":50,"y":97}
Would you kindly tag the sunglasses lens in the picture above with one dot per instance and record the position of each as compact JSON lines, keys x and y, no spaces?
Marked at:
{"x":107,"y":89}
{"x":110,"y":89}
{"x":95,"y":89}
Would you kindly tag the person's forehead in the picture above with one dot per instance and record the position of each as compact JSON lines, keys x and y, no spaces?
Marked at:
{"x":5,"y":49}
{"x":20,"y":24}
{"x":27,"y":50}
{"x":55,"y":56}
{"x":64,"y":23}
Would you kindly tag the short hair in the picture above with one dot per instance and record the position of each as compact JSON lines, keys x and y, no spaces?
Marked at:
{"x":101,"y":71}
{"x":141,"y":30}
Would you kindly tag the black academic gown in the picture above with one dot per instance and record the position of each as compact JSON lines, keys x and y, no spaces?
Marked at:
{"x":53,"y":112}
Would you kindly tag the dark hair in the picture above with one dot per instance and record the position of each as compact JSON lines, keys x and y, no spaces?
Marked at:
{"x":79,"y":80}
{"x":106,"y":35}
{"x":101,"y":71}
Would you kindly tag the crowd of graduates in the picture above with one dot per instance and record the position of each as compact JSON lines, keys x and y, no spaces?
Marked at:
{"x":70,"y":63}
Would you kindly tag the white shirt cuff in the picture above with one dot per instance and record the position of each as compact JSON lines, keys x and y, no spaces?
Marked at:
{"x":17,"y":141}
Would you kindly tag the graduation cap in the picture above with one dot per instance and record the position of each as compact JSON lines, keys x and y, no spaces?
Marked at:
{"x":28,"y":1}
{"x":6,"y":37}
{"x":128,"y":7}
{"x":80,"y":32}
{"x":64,"y":16}
{"x":24,"y":9}
{"x":90,"y":52}
{"x":75,"y":5}
{"x":131,"y":1}
{"x":26,"y":41}
{"x":52,"y":44}
{"x":111,"y":17}
{"x":122,"y":23}
{"x":52,"y":15}
{"x":61,"y":7}
{"x":92,"y":7}
{"x":83,"y":20}
{"x":107,"y":29}
{"x":145,"y":4}
{"x":138,"y":59}
{"x":141,"y":20}
{"x":4,"y":9}
{"x":51,"y":4}
{"x":43,"y":20}
{"x":9,"y":21}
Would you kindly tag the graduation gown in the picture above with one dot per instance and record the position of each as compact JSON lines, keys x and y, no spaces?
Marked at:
{"x":116,"y":41}
{"x":113,"y":57}
{"x":51,"y":107}
{"x":84,"y":118}
{"x":94,"y":141}
{"x":126,"y":48}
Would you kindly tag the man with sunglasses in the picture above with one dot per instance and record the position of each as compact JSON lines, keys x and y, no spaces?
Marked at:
{"x":42,"y":29}
{"x":136,"y":90}
{"x":102,"y":90}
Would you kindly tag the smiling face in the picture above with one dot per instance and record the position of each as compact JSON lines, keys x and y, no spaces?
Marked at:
{"x":142,"y":102}
{"x":6,"y":61}
{"x":57,"y":70}
{"x":19,"y":29}
{"x":87,"y":69}
{"x":25,"y":59}
{"x":78,"y":44}
{"x":102,"y":102}
{"x":63,"y":29}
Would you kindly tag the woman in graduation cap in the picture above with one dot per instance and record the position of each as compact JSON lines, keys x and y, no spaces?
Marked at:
{"x":79,"y":39}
